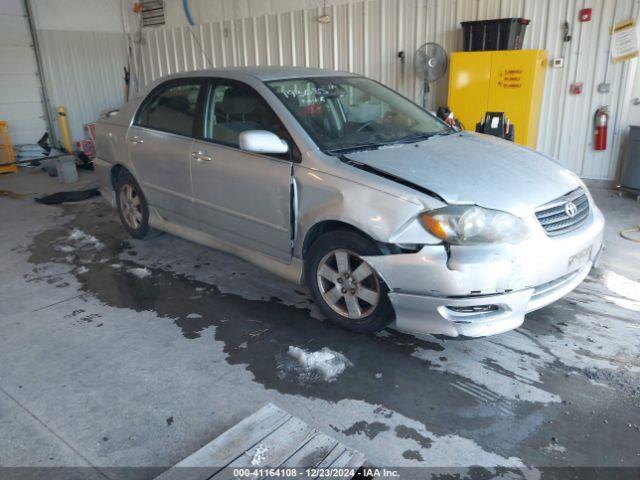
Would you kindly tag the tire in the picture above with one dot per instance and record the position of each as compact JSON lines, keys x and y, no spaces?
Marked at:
{"x":352,"y":283}
{"x":133,"y":208}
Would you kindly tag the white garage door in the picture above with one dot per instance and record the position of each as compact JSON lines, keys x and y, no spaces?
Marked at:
{"x":20,"y":94}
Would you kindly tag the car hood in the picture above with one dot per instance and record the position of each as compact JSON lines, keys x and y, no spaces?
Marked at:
{"x":468,"y":168}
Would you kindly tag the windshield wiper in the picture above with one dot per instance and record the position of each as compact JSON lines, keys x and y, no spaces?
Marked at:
{"x":356,"y":148}
{"x":415,"y":138}
{"x":422,"y":136}
{"x":375,"y":146}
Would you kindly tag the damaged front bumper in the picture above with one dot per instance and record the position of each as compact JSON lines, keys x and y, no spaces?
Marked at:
{"x":482,"y":290}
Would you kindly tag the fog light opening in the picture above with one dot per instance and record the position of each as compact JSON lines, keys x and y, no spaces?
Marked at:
{"x":473,"y":308}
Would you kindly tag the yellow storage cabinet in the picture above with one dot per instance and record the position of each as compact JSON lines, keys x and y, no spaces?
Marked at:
{"x":6,"y":150}
{"x":509,"y":81}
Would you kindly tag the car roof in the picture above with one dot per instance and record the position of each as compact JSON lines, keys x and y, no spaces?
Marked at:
{"x":265,"y":73}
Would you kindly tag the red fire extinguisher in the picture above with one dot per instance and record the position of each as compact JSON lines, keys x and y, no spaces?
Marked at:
{"x":601,"y":120}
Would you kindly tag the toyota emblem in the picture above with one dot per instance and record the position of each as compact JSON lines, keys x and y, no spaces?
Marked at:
{"x":570,"y":209}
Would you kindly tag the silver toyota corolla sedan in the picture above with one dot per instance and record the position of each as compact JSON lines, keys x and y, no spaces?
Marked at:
{"x":330,"y":178}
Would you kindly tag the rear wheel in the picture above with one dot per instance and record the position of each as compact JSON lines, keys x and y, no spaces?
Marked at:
{"x":132,"y":206}
{"x":345,"y":287}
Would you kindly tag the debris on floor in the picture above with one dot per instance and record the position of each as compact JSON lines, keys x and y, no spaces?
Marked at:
{"x":74,"y":196}
{"x":83,"y":239}
{"x":140,"y":272}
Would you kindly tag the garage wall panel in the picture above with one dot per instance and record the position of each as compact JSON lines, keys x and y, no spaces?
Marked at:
{"x":366,"y":36}
{"x":20,"y":94}
{"x":84,"y":73}
{"x":83,"y":49}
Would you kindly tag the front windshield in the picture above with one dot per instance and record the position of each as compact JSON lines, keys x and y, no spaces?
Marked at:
{"x":351,"y":113}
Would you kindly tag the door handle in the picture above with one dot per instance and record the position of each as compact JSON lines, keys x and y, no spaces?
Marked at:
{"x":201,"y":156}
{"x":136,"y":139}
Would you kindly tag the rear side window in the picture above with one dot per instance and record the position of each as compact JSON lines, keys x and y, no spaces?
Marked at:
{"x":171,"y":109}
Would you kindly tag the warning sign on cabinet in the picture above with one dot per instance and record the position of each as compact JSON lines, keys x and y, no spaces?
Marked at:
{"x":510,"y":78}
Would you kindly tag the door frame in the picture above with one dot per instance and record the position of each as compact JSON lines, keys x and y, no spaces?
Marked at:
{"x":135,"y":125}
{"x":292,"y":157}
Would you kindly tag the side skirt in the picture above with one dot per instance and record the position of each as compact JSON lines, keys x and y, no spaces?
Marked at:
{"x":291,"y":272}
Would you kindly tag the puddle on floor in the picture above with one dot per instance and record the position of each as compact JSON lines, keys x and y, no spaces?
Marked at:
{"x":258,"y":333}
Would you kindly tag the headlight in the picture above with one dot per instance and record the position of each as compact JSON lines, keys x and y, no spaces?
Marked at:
{"x":464,"y":225}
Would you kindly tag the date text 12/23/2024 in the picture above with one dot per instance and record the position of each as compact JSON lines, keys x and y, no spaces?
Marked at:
{"x":363,"y":472}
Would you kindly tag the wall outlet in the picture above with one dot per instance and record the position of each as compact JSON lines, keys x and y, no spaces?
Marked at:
{"x":557,"y":62}
{"x":604,"y":87}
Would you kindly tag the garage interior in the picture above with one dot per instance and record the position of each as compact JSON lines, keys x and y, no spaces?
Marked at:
{"x":120,"y":358}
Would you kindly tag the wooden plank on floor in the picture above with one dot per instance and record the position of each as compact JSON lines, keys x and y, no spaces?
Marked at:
{"x":273,"y":450}
{"x":342,"y":457}
{"x":226,"y":448}
{"x":349,"y":459}
{"x":308,"y":455}
{"x":313,"y":453}
{"x":269,"y":439}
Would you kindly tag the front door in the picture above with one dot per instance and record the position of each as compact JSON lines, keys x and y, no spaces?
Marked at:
{"x":160,"y":144}
{"x":242,"y":197}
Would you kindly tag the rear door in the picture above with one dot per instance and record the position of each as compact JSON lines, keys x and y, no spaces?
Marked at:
{"x":242,"y":197}
{"x":159,"y":144}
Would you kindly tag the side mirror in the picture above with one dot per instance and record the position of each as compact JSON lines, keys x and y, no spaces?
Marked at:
{"x":262,"y":141}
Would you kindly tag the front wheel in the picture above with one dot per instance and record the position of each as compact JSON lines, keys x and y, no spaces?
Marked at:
{"x":345,"y":287}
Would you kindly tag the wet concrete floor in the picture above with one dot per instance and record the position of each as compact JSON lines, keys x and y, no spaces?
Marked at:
{"x":125,"y":353}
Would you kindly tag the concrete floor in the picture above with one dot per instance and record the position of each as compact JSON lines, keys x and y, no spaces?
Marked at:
{"x":104,"y":368}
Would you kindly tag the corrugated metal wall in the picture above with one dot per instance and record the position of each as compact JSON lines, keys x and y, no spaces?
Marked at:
{"x":83,"y":73}
{"x":365,"y":37}
{"x":83,"y":49}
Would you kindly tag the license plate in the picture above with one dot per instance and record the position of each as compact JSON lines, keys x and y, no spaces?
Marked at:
{"x":579,"y":259}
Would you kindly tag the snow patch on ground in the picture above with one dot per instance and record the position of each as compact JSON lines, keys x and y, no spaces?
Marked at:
{"x":84,"y":239}
{"x":82,"y":270}
{"x":553,"y":447}
{"x":325,"y":362}
{"x":140,"y":272}
{"x":194,"y":316}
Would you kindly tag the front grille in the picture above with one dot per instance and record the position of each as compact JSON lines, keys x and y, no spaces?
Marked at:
{"x":554,"y":218}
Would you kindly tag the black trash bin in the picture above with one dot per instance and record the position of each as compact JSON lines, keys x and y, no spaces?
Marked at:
{"x":498,"y":34}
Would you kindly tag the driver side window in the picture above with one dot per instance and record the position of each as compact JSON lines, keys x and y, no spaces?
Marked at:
{"x":234,"y":108}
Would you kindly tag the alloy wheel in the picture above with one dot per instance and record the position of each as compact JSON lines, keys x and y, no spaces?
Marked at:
{"x":130,"y":205}
{"x":348,"y":284}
